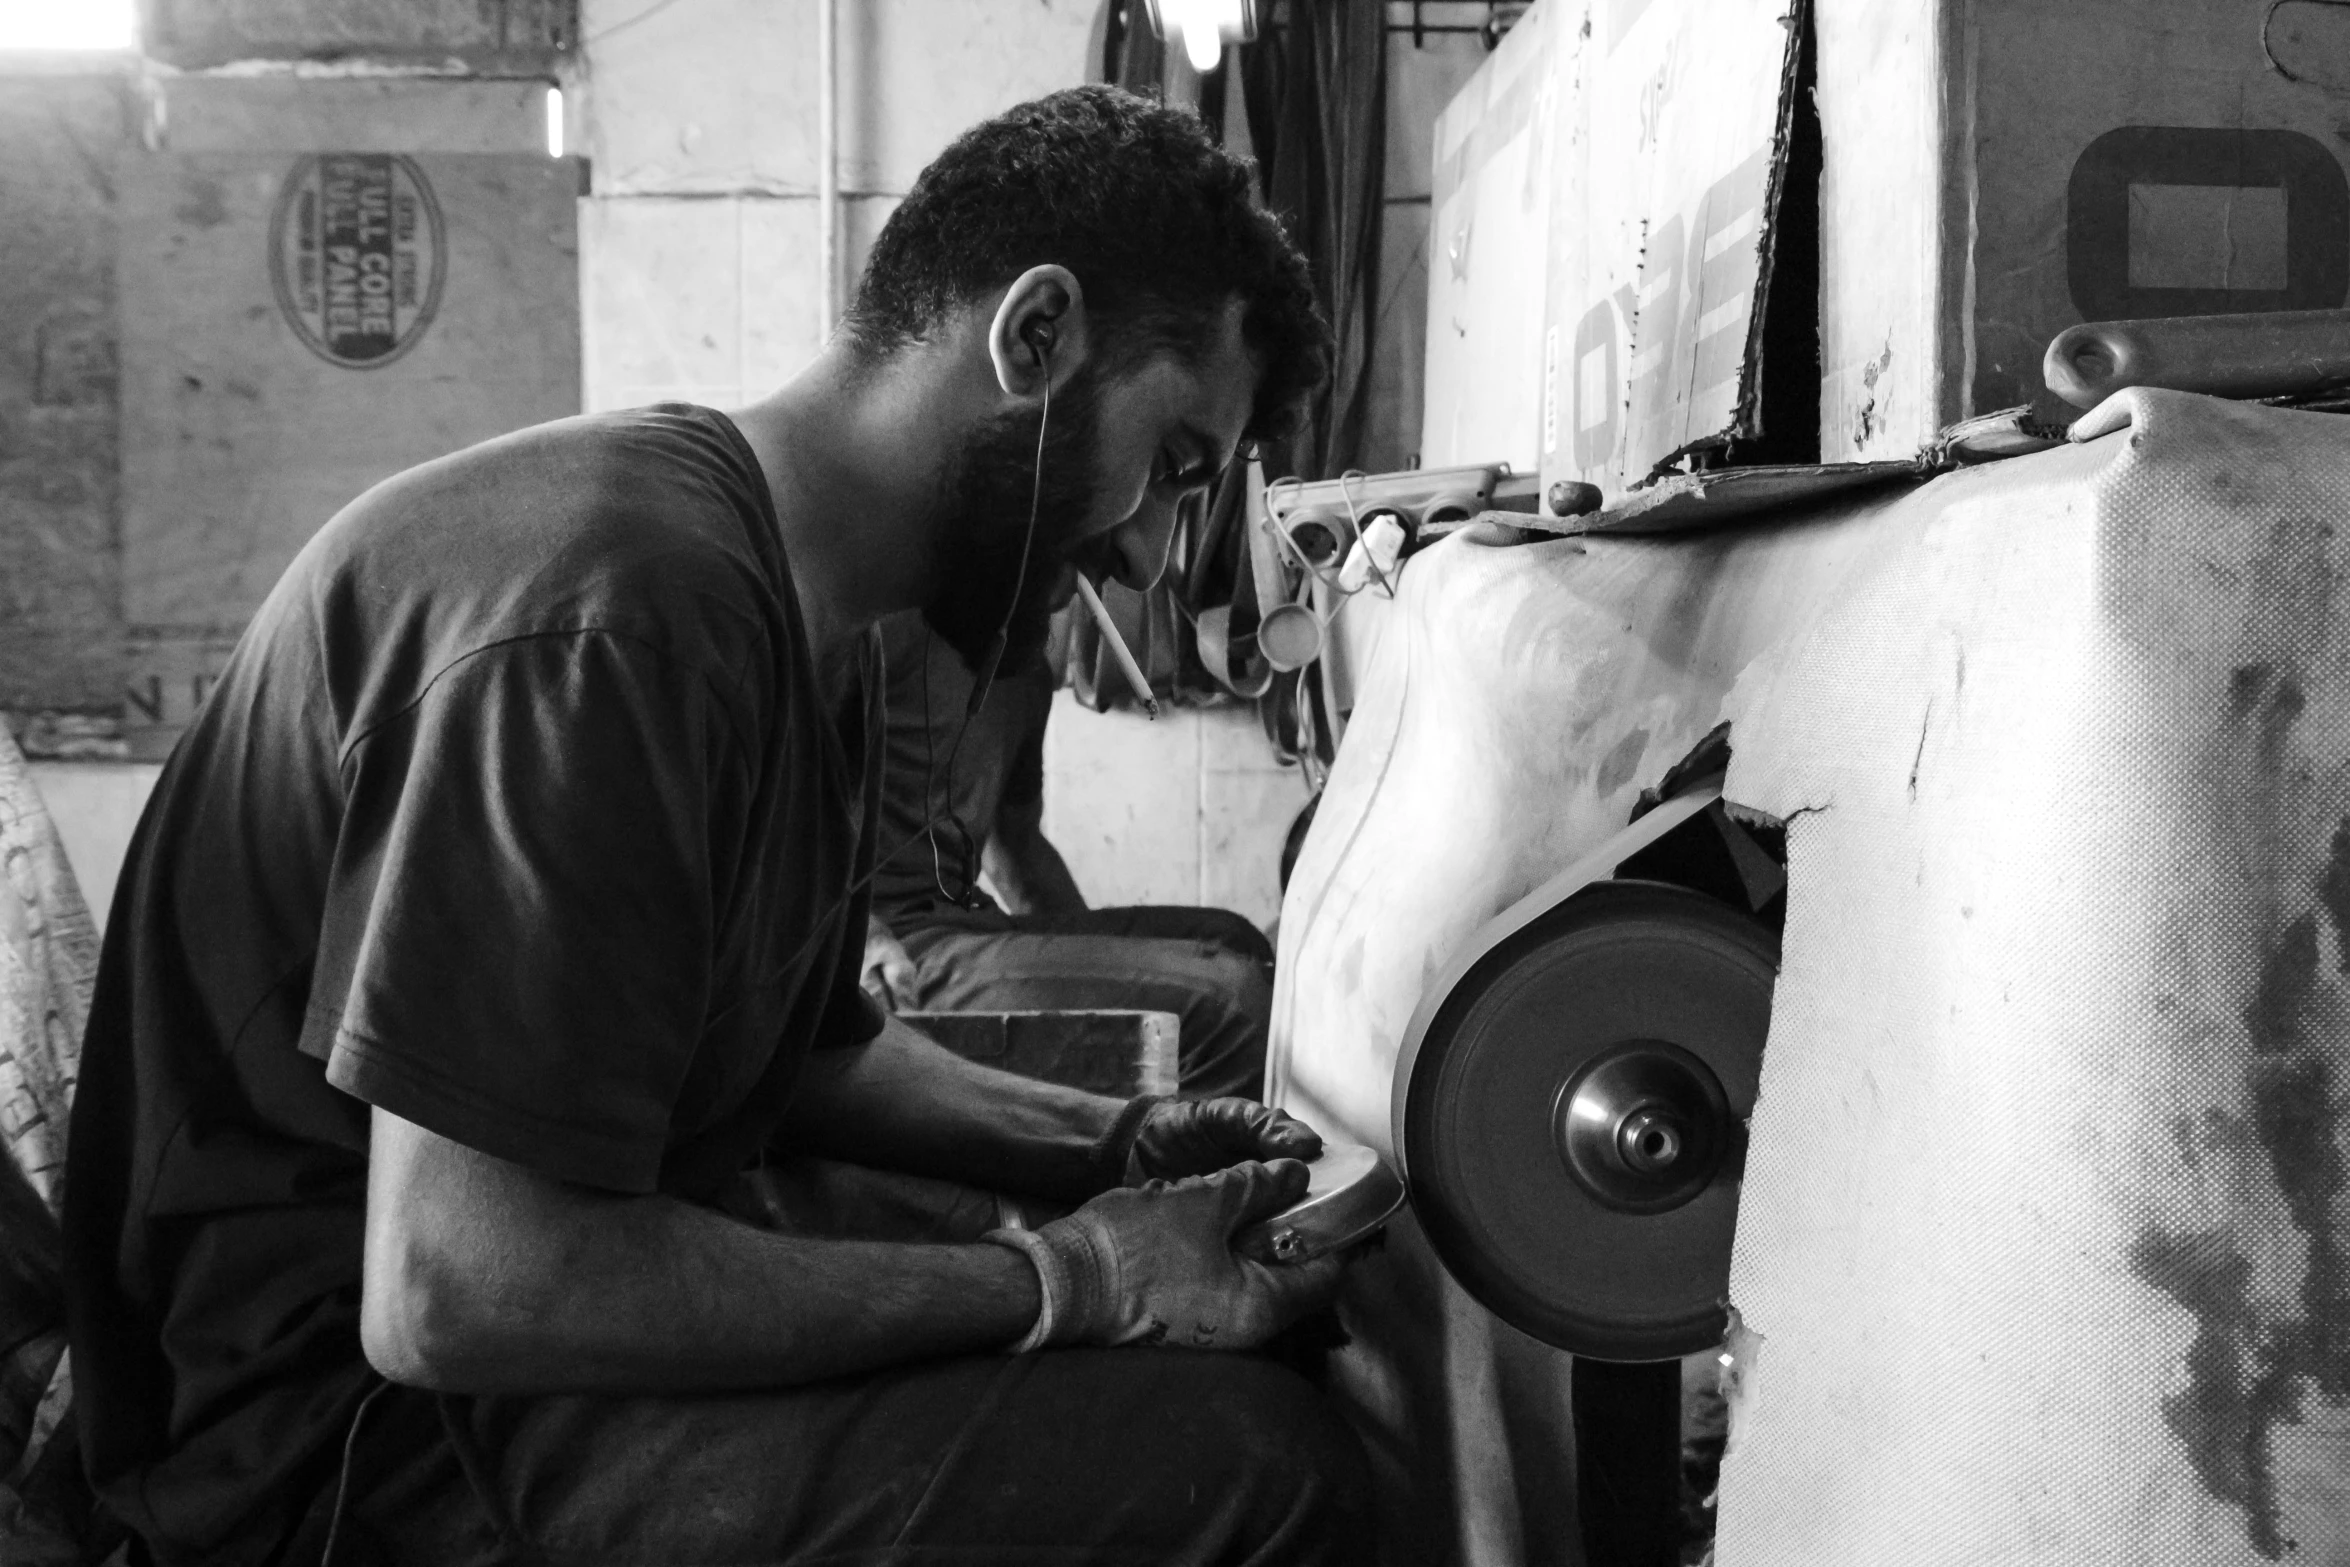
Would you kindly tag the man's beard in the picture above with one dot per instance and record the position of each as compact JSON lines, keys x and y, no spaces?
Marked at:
{"x":982,"y":518}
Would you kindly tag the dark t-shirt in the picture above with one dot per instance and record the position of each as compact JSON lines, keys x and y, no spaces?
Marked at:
{"x":520,"y":813}
{"x":999,"y":766}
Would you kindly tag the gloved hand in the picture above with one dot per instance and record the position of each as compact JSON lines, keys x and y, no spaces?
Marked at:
{"x":1153,"y":1264}
{"x":1178,"y":1137}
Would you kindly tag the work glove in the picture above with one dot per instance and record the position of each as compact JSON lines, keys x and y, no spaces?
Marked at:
{"x":1153,"y":1264}
{"x":1170,"y":1138}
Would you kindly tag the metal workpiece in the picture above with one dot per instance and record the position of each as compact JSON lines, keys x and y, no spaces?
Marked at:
{"x":1351,"y":1196}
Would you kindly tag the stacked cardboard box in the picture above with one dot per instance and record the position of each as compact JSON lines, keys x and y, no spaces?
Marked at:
{"x":1992,"y":171}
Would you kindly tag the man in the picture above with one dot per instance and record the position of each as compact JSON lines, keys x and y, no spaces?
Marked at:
{"x":965,"y":796}
{"x":501,"y":909}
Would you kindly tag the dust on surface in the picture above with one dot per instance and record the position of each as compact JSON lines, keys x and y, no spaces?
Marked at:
{"x":2248,"y":1369}
{"x":1620,"y":763}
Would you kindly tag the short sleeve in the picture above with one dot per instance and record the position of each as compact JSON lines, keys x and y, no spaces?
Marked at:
{"x":517,"y":942}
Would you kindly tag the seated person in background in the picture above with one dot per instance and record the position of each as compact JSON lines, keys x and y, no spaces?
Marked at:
{"x":936,"y":942}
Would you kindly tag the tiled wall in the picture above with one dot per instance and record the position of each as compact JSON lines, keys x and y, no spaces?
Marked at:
{"x":698,"y":247}
{"x":1189,"y":809}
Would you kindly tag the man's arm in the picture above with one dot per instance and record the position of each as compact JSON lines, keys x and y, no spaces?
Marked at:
{"x":906,"y":1103}
{"x":1027,"y":872}
{"x":483,"y":1276}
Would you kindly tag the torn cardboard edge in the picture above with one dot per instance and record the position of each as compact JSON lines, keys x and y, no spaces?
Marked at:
{"x":1655,"y":352}
{"x":1747,"y":421}
{"x":1689,"y":502}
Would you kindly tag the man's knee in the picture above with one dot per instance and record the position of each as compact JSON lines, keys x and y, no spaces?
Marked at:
{"x":1235,"y":933}
{"x":1292,"y":1472}
{"x":1225,"y":1028}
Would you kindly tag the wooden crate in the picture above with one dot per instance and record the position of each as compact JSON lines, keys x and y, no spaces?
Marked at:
{"x":1122,"y":1053}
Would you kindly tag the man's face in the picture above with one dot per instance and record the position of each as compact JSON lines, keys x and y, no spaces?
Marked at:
{"x":1127,"y":445}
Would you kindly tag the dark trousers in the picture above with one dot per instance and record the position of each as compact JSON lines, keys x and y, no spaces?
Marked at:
{"x":1125,"y":1456}
{"x":1210,"y":967}
{"x":1071,"y":1457}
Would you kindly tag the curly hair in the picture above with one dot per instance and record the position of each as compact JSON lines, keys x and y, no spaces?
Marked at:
{"x":1160,"y":225}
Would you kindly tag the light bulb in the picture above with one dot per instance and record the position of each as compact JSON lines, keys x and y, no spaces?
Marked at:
{"x":1203,"y":42}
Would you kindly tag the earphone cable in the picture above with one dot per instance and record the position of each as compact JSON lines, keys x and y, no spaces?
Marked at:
{"x":969,"y":897}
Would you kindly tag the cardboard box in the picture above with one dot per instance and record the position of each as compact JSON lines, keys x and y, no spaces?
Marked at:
{"x":1993,"y":171}
{"x":1604,"y":196}
{"x":1489,"y":252}
{"x":60,"y":623}
{"x":1998,"y":170}
{"x":296,"y":326}
{"x":1661,"y":232}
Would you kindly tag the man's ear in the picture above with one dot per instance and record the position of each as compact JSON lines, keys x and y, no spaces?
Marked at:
{"x":1039,"y":330}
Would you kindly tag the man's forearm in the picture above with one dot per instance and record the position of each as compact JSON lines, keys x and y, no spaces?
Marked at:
{"x":906,"y":1103}
{"x":484,"y":1277}
{"x":1029,"y":871}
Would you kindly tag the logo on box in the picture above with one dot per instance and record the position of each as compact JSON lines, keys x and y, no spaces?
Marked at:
{"x":357,"y":254}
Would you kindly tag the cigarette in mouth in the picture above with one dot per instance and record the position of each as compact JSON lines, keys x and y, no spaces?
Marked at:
{"x":1101,"y":618}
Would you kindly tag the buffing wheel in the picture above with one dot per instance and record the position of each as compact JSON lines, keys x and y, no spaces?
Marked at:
{"x":1573,"y":1122}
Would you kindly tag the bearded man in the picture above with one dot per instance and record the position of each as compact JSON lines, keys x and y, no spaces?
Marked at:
{"x":504,"y":907}
{"x":965,"y":793}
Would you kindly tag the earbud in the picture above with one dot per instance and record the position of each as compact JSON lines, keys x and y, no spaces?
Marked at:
{"x":1038,"y":335}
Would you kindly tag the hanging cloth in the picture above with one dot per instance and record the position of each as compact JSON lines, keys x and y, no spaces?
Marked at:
{"x":1315,"y":91}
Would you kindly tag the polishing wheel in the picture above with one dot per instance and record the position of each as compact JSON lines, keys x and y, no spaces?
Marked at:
{"x":1573,"y":1121}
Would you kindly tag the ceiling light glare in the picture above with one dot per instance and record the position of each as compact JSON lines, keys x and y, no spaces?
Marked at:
{"x":68,"y":24}
{"x":1204,"y":27}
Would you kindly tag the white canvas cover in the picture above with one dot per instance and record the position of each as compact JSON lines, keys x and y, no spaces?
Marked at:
{"x":2046,"y":1230}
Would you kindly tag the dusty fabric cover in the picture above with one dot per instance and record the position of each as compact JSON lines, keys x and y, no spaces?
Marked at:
{"x":48,"y":955}
{"x":2045,"y":1246}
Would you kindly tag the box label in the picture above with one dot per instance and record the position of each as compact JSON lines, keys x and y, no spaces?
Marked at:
{"x":357,"y":256}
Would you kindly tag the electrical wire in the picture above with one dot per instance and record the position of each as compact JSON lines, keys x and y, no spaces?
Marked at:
{"x":1327,"y":576}
{"x":821,"y":925}
{"x":969,"y":897}
{"x":334,"y":1520}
